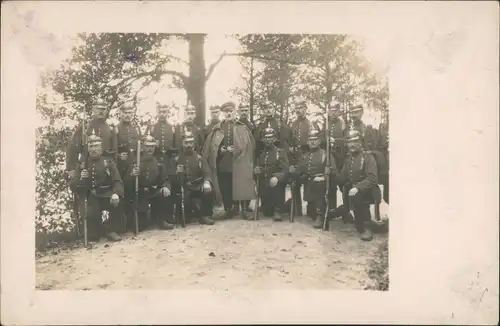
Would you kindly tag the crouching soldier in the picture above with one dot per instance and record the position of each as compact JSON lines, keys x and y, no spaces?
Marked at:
{"x":359,"y":177}
{"x":99,"y":187}
{"x":154,"y":189}
{"x":195,"y":182}
{"x":313,"y":170}
{"x":271,"y":170}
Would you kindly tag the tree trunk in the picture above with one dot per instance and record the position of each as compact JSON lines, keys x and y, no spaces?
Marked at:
{"x":252,"y":117}
{"x":196,"y":87}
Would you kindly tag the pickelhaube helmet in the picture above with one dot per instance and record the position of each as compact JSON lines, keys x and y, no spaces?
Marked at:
{"x":100,"y":104}
{"x":243,"y":107}
{"x":356,"y":108}
{"x":127,"y":108}
{"x":334,"y":106}
{"x":300,"y":103}
{"x":190,"y":108}
{"x":266,"y":103}
{"x":188,"y":136}
{"x":353,"y":135}
{"x":313,"y":134}
{"x":228,"y":106}
{"x":215,"y":108}
{"x":149,"y":140}
{"x":94,"y":139}
{"x":269,"y":132}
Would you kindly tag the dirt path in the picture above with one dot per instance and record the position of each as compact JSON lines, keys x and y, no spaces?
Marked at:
{"x":257,"y":254}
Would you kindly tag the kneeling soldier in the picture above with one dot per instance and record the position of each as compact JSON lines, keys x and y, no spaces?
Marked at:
{"x":196,"y":183}
{"x":359,"y":177}
{"x":271,"y":169}
{"x":99,"y":186}
{"x":314,"y":171}
{"x":154,"y":188}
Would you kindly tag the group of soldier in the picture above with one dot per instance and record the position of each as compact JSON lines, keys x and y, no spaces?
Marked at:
{"x":176,"y":173}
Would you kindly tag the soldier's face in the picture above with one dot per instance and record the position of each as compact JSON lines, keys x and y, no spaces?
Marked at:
{"x":149,"y":150}
{"x":190,"y":115}
{"x":243,"y":113}
{"x":357,"y":115}
{"x":127,"y":115}
{"x":162,"y":113}
{"x":268,"y":111}
{"x":301,"y":111}
{"x":188,"y":145}
{"x":99,"y":112}
{"x":229,"y":114}
{"x":214,"y":115}
{"x":95,"y":149}
{"x":313,"y":143}
{"x":269,"y":140}
{"x":354,"y":146}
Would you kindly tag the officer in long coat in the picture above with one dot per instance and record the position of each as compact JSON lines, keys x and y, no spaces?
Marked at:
{"x":127,"y":135}
{"x":313,"y":170}
{"x":359,"y":176}
{"x":190,"y":126}
{"x":154,"y":188}
{"x":300,"y":129}
{"x":229,"y":155}
{"x":282,"y":138}
{"x":97,"y":182}
{"x":271,"y":169}
{"x":102,"y":129}
{"x":196,"y":182}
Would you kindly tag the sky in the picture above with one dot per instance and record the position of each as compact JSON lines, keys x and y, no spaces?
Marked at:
{"x":226,"y":75}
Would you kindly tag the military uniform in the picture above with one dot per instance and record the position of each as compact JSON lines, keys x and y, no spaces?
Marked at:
{"x":245,"y":205}
{"x":359,"y":171}
{"x":213,"y":121}
{"x":152,"y":178}
{"x":384,"y":149}
{"x":198,"y":204}
{"x":272,"y":162}
{"x":104,"y":181}
{"x":127,"y":135}
{"x":312,"y":165}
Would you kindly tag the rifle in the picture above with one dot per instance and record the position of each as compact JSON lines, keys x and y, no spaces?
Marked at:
{"x":327,"y":192}
{"x":136,"y":218}
{"x":84,"y":159}
{"x":183,"y":206}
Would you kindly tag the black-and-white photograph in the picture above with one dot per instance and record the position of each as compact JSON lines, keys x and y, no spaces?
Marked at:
{"x":213,"y":162}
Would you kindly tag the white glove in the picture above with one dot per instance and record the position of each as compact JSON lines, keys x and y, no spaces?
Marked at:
{"x":84,"y":174}
{"x":114,"y":200}
{"x":206,"y":187}
{"x":165,"y":191}
{"x":353,"y":192}
{"x":123,"y":156}
{"x":273,"y":182}
{"x":319,"y":179}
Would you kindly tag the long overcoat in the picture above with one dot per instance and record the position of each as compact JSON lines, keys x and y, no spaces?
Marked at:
{"x":243,"y":161}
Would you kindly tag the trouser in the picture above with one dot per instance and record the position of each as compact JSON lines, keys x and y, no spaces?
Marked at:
{"x":226,"y":189}
{"x":151,"y":210}
{"x":317,"y":207}
{"x":245,"y":205}
{"x":297,"y":196}
{"x":360,"y":206}
{"x":314,"y":193}
{"x":95,"y":206}
{"x":270,"y":198}
{"x":198,"y":204}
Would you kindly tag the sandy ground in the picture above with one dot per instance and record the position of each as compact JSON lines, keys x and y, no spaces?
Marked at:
{"x":230,"y":254}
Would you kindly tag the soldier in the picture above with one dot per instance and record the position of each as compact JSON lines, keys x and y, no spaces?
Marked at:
{"x":359,"y":177}
{"x":271,"y":169}
{"x":314,"y":171}
{"x":103,"y":130}
{"x":214,"y":119}
{"x":243,"y":111}
{"x":384,"y":148}
{"x":335,"y":131}
{"x":282,"y":132}
{"x":190,"y":126}
{"x":229,"y":154}
{"x":96,"y":180}
{"x":154,"y":188}
{"x":195,"y":178}
{"x":299,"y":147}
{"x":355,"y":122}
{"x":127,"y":136}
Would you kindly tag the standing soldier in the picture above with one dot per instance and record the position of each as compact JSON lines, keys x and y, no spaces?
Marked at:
{"x":243,"y":111}
{"x":335,"y":131}
{"x":214,"y":119}
{"x":99,"y":188}
{"x":313,"y":169}
{"x":154,"y":188}
{"x":299,"y":147}
{"x":127,"y":134}
{"x":229,"y":153}
{"x":195,"y":178}
{"x":271,"y":169}
{"x":355,"y":122}
{"x":359,"y":177}
{"x":282,"y":132}
{"x":384,"y":148}
{"x":190,"y":126}
{"x":102,"y":129}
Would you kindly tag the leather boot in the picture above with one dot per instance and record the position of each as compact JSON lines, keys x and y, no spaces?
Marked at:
{"x":112,"y":236}
{"x":318,"y":224}
{"x":206,"y":220}
{"x":366,"y":235}
{"x":277,"y":217}
{"x":165,"y":225}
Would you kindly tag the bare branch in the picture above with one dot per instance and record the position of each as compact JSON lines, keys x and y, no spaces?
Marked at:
{"x":213,"y":65}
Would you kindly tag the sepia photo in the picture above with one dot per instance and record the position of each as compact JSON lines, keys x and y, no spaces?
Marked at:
{"x":230,"y":162}
{"x":213,"y":161}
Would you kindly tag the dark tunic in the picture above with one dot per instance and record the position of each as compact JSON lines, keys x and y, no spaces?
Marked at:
{"x":127,"y":136}
{"x":74,"y":148}
{"x":103,"y":181}
{"x":282,"y":133}
{"x":194,"y":172}
{"x":168,"y":144}
{"x":225,"y":159}
{"x":360,"y":171}
{"x":273,"y":162}
{"x":197,"y":131}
